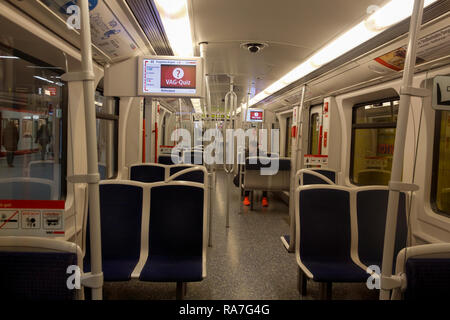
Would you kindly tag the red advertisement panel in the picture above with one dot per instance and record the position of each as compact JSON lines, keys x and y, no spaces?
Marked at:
{"x":256,"y":115}
{"x":178,"y":76}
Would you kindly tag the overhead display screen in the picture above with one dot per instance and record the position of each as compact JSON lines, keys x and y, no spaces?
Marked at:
{"x":255,"y":115}
{"x":170,"y":77}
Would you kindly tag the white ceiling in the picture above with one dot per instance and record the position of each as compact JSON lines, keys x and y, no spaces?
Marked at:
{"x":293,"y":30}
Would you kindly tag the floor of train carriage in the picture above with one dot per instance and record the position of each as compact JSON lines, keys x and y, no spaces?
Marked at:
{"x":246,"y":261}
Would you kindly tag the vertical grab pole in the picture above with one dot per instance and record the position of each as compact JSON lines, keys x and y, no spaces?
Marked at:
{"x":91,"y":138}
{"x":399,"y":148}
{"x":231,"y":101}
{"x":296,"y":148}
{"x":211,"y":169}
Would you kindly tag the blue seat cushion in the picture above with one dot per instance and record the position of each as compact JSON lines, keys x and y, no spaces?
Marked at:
{"x":120,"y":216}
{"x":147,"y":174}
{"x":172,"y":269}
{"x":427,"y":279}
{"x":115,"y":270}
{"x":312,"y":179}
{"x":344,"y":271}
{"x":35,"y":275}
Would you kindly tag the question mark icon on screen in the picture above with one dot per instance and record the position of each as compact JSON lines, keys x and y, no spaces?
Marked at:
{"x":178,"y":73}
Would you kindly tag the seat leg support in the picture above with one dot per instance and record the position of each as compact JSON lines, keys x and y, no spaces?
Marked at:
{"x":302,"y":283}
{"x":181,"y":290}
{"x":325,"y":290}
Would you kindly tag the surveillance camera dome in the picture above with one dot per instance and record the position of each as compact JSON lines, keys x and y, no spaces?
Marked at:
{"x":253,"y":47}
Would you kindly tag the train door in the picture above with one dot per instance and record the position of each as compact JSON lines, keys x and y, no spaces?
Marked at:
{"x":315,"y":136}
{"x":289,"y":137}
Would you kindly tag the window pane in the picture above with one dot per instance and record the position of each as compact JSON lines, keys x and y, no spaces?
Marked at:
{"x":288,"y":137}
{"x":443,"y":172}
{"x":31,"y":126}
{"x":106,"y":138}
{"x":372,"y":156}
{"x":381,"y":112}
{"x":314,"y":134}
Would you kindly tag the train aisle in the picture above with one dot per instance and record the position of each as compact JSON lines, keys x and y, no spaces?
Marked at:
{"x":247,"y":261}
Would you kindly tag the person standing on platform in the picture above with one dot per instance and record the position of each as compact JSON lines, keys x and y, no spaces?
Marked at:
{"x":43,"y":138}
{"x":10,"y":141}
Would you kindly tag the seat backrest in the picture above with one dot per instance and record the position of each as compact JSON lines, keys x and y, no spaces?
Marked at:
{"x":148,"y":173}
{"x":255,"y":180}
{"x":26,"y":189}
{"x":167,"y":159}
{"x":427,"y":279}
{"x":371,"y":212}
{"x":177,"y":220}
{"x":191,"y":174}
{"x":36,"y":268}
{"x":324,"y":223}
{"x":307,"y":177}
{"x":121,"y":205}
{"x":427,"y":269}
{"x":330,"y":174}
{"x":179,"y":167}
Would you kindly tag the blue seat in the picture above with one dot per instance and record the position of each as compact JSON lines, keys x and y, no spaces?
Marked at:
{"x":325,"y":235}
{"x":176,"y":247}
{"x":35,"y":275}
{"x":167,"y":159}
{"x":427,"y":279}
{"x":316,"y":176}
{"x":312,"y":179}
{"x":371,"y":207}
{"x":178,"y":168}
{"x":191,"y":176}
{"x":121,"y":216}
{"x":148,"y":173}
{"x":34,"y":268}
{"x":330,"y":174}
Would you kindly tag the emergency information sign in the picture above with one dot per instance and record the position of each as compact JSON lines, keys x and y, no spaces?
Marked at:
{"x":32,"y":218}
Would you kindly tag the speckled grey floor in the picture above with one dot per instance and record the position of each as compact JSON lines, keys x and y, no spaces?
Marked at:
{"x":246,"y":261}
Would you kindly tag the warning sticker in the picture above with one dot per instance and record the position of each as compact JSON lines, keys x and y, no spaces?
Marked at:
{"x":9,"y":219}
{"x":32,"y":218}
{"x":430,"y":47}
{"x":53,"y":220}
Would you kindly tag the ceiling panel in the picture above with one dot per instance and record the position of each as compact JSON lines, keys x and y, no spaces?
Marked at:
{"x":293,"y":30}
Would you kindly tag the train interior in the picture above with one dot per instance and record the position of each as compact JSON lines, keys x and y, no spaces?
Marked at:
{"x":141,"y":189}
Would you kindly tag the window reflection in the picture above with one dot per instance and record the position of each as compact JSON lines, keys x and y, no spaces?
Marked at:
{"x":31,"y":127}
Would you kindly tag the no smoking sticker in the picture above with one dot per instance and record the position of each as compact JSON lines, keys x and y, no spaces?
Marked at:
{"x":9,"y":219}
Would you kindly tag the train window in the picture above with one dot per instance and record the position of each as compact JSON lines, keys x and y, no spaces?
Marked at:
{"x":107,"y":135}
{"x":373,"y":136}
{"x":288,"y":137}
{"x":33,"y":124}
{"x":440,"y":195}
{"x":314,"y":134}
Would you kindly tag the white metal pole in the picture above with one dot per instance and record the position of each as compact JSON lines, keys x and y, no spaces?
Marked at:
{"x":91,"y":140}
{"x":399,"y":147}
{"x":294,"y":162}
